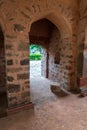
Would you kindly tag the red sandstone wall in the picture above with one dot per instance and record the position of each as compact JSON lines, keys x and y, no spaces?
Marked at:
{"x":16,"y":17}
{"x":58,"y":72}
{"x":54,"y":47}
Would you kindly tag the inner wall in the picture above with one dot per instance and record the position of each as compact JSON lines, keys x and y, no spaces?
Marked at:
{"x":51,"y":57}
{"x":59,"y":67}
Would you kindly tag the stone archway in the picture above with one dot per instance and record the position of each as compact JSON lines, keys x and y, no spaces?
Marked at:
{"x":66,"y":49}
{"x":18,"y":25}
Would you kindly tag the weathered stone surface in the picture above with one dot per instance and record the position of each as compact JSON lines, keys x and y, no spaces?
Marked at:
{"x":27,"y":86}
{"x":23,"y":46}
{"x":26,"y":68}
{"x":13,"y":1}
{"x":10,"y":78}
{"x":9,"y":47}
{"x":9,"y":62}
{"x":25,"y":15}
{"x":15,"y":28}
{"x":13,"y":88}
{"x":24,"y":62}
{"x":12,"y":101}
{"x":23,"y":76}
{"x":25,"y":94}
{"x":26,"y":82}
{"x":10,"y":19}
{"x":11,"y":36}
{"x":12,"y":54}
{"x":18,"y":27}
{"x":58,"y":71}
{"x":68,"y":67}
{"x":69,"y":56}
{"x":28,"y":8}
{"x":55,"y":88}
{"x":14,"y":70}
{"x":1,"y":3}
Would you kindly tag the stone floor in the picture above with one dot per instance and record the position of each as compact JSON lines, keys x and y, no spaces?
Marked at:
{"x":51,"y":112}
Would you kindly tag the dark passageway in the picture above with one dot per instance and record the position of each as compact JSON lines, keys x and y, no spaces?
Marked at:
{"x":3,"y":95}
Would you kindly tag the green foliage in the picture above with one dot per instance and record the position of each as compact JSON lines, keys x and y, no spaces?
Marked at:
{"x":35,"y":52}
{"x":35,"y":49}
{"x":35,"y":56}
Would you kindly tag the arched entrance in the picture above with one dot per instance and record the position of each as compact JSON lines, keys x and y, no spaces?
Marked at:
{"x":62,"y":38}
{"x":55,"y":60}
{"x":17,"y":36}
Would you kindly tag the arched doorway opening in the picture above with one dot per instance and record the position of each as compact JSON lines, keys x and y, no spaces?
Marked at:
{"x":35,"y":60}
{"x":45,"y":33}
{"x":3,"y":94}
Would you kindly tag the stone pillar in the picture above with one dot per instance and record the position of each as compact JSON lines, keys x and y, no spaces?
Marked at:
{"x":82,"y":39}
{"x":66,"y":67}
{"x":74,"y":52}
{"x":17,"y":66}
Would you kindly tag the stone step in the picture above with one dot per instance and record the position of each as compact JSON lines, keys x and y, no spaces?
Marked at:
{"x":58,"y":90}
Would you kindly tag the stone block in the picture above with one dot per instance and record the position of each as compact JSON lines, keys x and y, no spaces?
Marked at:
{"x":9,"y":62}
{"x":10,"y":36}
{"x":23,"y":76}
{"x":12,"y":101}
{"x":25,"y":94}
{"x":14,"y":70}
{"x":13,"y":88}
{"x":58,"y":90}
{"x":24,"y":62}
{"x":23,"y":46}
{"x":9,"y":47}
{"x":18,"y":27}
{"x":10,"y":78}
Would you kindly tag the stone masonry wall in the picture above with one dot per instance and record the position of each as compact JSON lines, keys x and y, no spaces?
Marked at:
{"x":62,"y":71}
{"x":54,"y":47}
{"x":17,"y":52}
{"x":16,"y":18}
{"x":59,"y":72}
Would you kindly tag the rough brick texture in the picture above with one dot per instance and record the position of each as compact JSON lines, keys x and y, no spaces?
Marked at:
{"x":66,"y":39}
